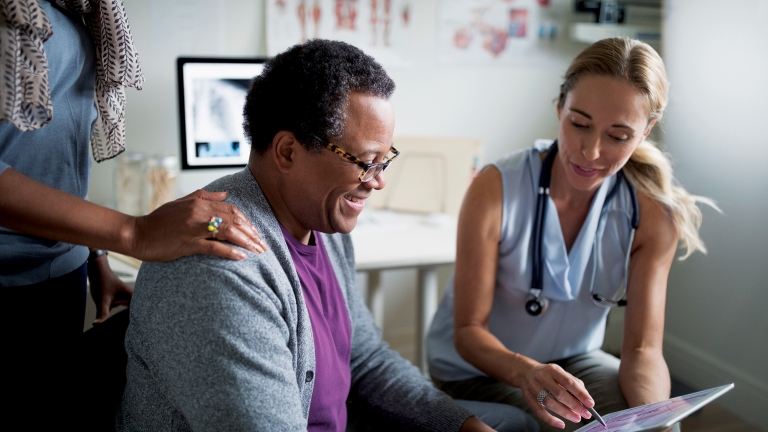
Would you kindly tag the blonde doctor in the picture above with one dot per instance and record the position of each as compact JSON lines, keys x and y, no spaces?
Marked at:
{"x":547,"y":242}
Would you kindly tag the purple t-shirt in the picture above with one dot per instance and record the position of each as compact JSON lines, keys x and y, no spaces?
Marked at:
{"x":330,"y":330}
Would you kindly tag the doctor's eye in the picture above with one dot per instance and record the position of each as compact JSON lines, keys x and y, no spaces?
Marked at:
{"x":620,"y":139}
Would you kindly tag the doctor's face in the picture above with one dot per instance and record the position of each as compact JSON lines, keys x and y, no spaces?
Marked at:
{"x":602,"y":121}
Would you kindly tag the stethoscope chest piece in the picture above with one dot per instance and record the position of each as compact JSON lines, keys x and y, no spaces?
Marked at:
{"x":537,"y":306}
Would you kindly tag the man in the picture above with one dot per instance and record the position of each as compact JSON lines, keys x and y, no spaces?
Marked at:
{"x":282,"y":341}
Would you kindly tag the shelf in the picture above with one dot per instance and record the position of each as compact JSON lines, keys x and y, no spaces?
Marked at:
{"x":593,"y":32}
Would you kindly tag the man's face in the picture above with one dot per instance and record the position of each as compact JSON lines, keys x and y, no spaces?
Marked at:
{"x":329,"y":194}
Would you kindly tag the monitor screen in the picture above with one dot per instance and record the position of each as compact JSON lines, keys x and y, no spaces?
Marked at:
{"x":211,"y":98}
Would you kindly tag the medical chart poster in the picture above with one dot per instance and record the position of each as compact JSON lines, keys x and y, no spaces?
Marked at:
{"x":493,"y":31}
{"x":381,"y":28}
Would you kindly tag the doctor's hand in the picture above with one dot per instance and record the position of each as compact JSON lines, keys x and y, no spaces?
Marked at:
{"x":180,"y":228}
{"x":566,"y":394}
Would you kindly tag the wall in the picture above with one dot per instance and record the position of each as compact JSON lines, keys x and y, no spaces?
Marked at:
{"x":162,"y":31}
{"x":505,"y":106}
{"x":717,"y":329}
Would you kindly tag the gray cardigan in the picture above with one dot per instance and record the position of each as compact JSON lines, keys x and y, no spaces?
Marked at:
{"x":215,"y":344}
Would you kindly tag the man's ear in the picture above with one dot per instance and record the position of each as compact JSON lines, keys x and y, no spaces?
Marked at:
{"x":283,"y":150}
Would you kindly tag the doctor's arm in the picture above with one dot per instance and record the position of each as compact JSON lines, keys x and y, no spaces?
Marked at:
{"x":643,"y":373}
{"x":477,"y":255}
{"x":175,"y":229}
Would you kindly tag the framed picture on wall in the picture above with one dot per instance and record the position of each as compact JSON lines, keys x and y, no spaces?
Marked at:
{"x":211,"y":98}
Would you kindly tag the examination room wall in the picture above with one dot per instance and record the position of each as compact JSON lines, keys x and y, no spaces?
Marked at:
{"x":162,"y":31}
{"x":507,"y":107}
{"x":717,"y":328}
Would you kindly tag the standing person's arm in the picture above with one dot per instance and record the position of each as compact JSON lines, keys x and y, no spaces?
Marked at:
{"x":643,"y":373}
{"x":107,"y":290}
{"x":477,"y":255}
{"x":176,"y":229}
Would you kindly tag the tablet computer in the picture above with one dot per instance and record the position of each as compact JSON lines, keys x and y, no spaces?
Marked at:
{"x":657,"y":416}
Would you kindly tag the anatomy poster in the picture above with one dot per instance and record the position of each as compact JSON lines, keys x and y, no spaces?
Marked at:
{"x":381,"y":28}
{"x":493,"y":31}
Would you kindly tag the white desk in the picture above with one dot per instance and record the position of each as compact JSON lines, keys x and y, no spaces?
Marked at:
{"x":387,"y":240}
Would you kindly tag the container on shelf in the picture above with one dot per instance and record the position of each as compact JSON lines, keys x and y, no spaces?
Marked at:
{"x":144,"y":182}
{"x":129,"y":183}
{"x":161,"y":180}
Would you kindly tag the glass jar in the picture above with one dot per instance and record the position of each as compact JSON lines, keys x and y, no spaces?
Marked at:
{"x":129,"y":183}
{"x":161,"y":176}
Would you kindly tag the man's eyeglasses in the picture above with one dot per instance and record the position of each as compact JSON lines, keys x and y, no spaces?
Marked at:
{"x":370,"y":170}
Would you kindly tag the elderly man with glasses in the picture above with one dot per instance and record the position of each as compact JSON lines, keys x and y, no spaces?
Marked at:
{"x":281,"y":341}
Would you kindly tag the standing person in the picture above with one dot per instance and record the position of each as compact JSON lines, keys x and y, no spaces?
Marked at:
{"x":61,"y":88}
{"x":546,"y":243}
{"x":282,"y":341}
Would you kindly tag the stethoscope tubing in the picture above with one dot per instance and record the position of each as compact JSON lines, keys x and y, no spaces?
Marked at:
{"x":537,"y":304}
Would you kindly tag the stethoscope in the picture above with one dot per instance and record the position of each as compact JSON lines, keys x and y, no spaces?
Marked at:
{"x":538,"y":304}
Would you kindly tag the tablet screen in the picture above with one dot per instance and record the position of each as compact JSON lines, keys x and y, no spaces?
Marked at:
{"x":656,"y":416}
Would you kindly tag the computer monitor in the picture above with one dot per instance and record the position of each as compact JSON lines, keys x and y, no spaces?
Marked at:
{"x":211,"y":98}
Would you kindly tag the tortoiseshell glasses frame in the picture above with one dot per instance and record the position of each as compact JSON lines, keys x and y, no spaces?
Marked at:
{"x":370,"y":170}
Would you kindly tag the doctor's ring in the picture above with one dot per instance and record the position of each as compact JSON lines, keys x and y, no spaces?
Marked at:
{"x":213,"y":226}
{"x":541,"y":396}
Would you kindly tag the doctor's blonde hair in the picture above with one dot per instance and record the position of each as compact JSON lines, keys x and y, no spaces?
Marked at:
{"x":649,"y":169}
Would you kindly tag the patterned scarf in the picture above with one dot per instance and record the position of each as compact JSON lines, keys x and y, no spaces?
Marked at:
{"x":25,"y":99}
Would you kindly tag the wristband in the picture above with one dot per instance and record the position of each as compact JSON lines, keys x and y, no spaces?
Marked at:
{"x":96,"y":253}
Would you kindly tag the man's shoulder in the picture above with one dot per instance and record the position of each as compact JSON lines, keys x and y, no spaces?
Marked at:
{"x":202,"y":267}
{"x":206,"y":281}
{"x":222,"y":183}
{"x":244,"y":192}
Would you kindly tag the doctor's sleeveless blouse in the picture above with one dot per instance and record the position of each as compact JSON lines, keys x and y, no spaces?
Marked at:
{"x":573,"y":324}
